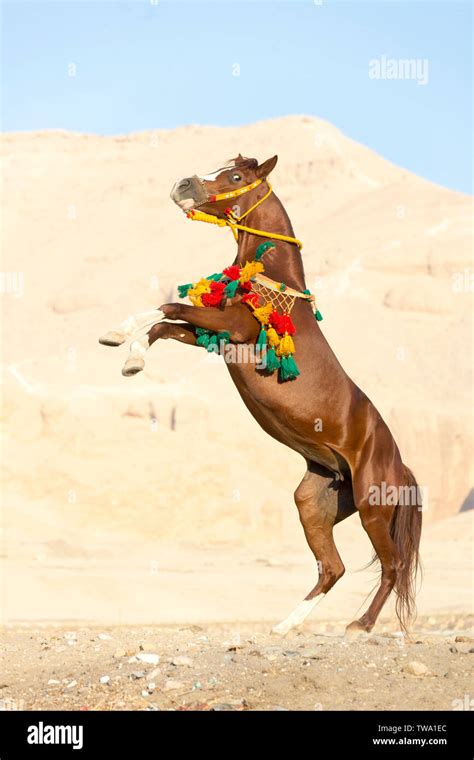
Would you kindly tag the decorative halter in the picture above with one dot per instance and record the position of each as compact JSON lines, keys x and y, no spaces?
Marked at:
{"x":232,"y":220}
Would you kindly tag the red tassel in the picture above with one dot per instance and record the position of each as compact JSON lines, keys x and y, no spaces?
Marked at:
{"x":251,"y":298}
{"x":282,"y":323}
{"x":232,"y":272}
{"x":246,"y":285}
{"x":216,"y":295}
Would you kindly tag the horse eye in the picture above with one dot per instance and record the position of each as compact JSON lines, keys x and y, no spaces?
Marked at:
{"x":236,"y":177}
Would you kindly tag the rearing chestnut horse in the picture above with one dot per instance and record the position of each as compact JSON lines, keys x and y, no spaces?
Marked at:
{"x":351,"y":451}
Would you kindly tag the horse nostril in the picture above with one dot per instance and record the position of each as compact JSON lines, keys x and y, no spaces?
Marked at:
{"x":184,"y":184}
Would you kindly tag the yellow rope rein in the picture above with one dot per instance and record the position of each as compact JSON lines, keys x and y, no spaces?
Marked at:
{"x":232,"y":221}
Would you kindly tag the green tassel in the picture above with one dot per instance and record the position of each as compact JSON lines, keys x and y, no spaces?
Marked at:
{"x":272,"y":361}
{"x":223,"y":337}
{"x":282,"y":286}
{"x":288,"y":369}
{"x":183,"y":289}
{"x":203,"y":337}
{"x":262,"y":337}
{"x":307,"y":292}
{"x":212,"y":345}
{"x":262,"y":248}
{"x":216,"y":277}
{"x":231,"y":288}
{"x":319,"y":316}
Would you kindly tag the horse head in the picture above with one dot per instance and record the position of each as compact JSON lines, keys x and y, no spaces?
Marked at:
{"x":213,"y":193}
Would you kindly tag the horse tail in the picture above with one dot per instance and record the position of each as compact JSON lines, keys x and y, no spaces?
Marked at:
{"x":405,"y":530}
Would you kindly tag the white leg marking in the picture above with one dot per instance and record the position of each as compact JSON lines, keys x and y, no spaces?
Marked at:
{"x":136,"y":358}
{"x":299,"y":614}
{"x":135,"y":321}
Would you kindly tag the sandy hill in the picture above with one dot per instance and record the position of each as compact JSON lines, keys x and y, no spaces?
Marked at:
{"x":90,"y":236}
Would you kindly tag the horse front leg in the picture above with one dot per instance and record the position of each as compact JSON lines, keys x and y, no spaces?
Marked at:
{"x":134,"y":324}
{"x":234,"y":319}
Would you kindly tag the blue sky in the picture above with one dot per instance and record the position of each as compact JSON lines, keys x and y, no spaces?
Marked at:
{"x":141,"y":65}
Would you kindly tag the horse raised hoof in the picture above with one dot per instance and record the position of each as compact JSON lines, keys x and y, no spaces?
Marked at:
{"x":133,"y":365}
{"x":113,"y":338}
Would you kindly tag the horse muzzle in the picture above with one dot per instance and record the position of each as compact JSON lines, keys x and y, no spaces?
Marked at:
{"x":189,"y":193}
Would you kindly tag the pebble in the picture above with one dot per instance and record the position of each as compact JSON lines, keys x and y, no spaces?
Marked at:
{"x":312,"y":654}
{"x":171,"y":685}
{"x":53,"y":681}
{"x":182,"y":660}
{"x":151,"y":686}
{"x":149,"y":659}
{"x":416,"y":668}
{"x":463,"y":640}
{"x":119,"y":653}
{"x":137,"y":674}
{"x":105,"y":637}
{"x":104,"y":679}
{"x":154,"y":673}
{"x":71,"y":685}
{"x":146,"y":647}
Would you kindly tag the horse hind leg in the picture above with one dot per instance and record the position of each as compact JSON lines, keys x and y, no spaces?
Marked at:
{"x":322,"y":502}
{"x":394,"y":532}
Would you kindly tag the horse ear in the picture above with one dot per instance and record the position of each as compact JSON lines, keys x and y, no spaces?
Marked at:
{"x":264,"y":169}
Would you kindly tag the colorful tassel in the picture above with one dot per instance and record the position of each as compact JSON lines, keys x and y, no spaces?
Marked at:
{"x":318,"y":315}
{"x":272,"y":362}
{"x":203,"y":337}
{"x":262,"y":337}
{"x":251,"y":298}
{"x":263,"y":248}
{"x":263,"y":313}
{"x":212,"y":346}
{"x":286,"y":346}
{"x":232,"y":272}
{"x":223,"y":336}
{"x":183,"y":290}
{"x":282,"y":323}
{"x":250,"y":269}
{"x":273,"y":337}
{"x":216,"y":277}
{"x":288,"y":368}
{"x":230,"y":288}
{"x":216,"y":294}
{"x":195,"y":293}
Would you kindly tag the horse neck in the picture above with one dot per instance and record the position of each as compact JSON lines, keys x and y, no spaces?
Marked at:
{"x":284,"y":264}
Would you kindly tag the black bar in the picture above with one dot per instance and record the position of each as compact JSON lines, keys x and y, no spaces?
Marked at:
{"x":376,"y":734}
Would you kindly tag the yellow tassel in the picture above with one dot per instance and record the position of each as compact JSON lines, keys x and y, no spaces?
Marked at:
{"x":286,"y":346}
{"x":195,"y":293}
{"x":263,"y":313}
{"x":272,"y":337}
{"x":250,"y":270}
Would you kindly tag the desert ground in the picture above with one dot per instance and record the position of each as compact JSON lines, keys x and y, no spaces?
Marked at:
{"x":150,"y":515}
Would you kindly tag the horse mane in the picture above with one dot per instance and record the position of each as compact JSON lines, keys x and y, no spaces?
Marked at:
{"x":241,"y":161}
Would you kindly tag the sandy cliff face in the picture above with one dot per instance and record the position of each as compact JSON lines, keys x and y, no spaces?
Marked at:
{"x":90,"y":236}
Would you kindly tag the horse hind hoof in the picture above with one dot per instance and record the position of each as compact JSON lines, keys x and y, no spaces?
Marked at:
{"x":132,"y":366}
{"x":112,"y":338}
{"x":356,"y":630}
